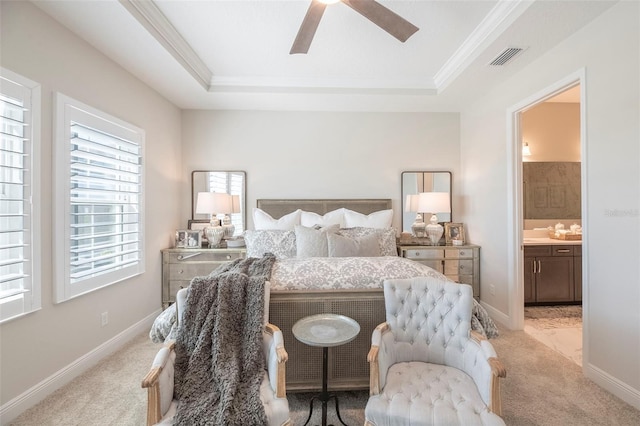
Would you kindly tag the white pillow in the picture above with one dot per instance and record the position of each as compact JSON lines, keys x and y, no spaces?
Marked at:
{"x":335,"y":217}
{"x":262,"y":220}
{"x":379,"y":219}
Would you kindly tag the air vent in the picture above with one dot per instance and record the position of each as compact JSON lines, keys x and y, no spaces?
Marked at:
{"x":507,"y":55}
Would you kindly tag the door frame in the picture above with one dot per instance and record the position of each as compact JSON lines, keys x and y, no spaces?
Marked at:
{"x":515,"y":248}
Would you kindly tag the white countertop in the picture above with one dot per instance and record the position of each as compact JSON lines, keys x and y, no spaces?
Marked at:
{"x":537,"y":241}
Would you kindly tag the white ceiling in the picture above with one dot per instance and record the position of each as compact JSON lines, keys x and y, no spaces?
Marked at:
{"x":219,"y":54}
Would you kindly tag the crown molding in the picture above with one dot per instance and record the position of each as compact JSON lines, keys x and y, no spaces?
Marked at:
{"x":318,"y":85}
{"x":495,"y":23}
{"x":151,"y":17}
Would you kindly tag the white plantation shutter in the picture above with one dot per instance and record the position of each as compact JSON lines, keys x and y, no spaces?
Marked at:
{"x":100,"y":182}
{"x":19,"y":196}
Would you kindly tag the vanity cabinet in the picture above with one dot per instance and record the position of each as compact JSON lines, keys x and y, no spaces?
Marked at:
{"x":459,"y":263}
{"x":550,"y":274}
{"x":179,"y":266}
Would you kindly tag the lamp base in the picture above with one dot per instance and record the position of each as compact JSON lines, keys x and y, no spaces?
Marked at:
{"x":418,"y":229}
{"x":434,"y":230}
{"x":214,"y":235}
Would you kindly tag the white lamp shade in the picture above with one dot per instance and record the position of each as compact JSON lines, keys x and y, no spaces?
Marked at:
{"x":213,"y":203}
{"x":434,"y":202}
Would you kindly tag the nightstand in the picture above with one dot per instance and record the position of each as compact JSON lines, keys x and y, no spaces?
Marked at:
{"x":459,"y":263}
{"x":179,"y":266}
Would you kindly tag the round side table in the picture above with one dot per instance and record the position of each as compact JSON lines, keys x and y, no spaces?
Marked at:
{"x":325,"y":331}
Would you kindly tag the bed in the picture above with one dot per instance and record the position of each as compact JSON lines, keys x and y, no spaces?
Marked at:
{"x":347,"y":285}
{"x":350,"y":286}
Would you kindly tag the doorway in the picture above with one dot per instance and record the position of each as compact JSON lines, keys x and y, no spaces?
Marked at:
{"x":551,"y":171}
{"x":571,"y":86}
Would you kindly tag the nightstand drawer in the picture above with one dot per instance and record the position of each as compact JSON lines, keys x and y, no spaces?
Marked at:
{"x":423,"y":254}
{"x":204,"y":256}
{"x":458,"y":267}
{"x":458,"y":253}
{"x":435,"y":264}
{"x":186,"y":271}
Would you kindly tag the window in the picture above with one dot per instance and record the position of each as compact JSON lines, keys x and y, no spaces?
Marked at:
{"x":99,"y":199}
{"x":19,"y":195}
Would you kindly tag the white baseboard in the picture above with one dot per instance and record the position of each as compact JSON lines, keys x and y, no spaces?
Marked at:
{"x":29,"y":398}
{"x":620,"y":389}
{"x":496,"y":315}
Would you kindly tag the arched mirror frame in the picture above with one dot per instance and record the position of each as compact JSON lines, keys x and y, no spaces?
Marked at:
{"x":414,"y":182}
{"x":200,"y":182}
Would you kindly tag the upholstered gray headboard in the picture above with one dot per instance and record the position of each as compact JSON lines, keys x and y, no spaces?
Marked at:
{"x":278,"y":208}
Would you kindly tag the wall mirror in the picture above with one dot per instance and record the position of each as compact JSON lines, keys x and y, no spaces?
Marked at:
{"x":231,"y":182}
{"x":415,"y":182}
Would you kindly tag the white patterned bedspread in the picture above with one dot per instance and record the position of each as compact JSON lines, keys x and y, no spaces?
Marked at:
{"x":339,"y":273}
{"x":344,"y":273}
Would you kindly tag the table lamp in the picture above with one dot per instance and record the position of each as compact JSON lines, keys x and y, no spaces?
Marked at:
{"x":434,"y":203}
{"x":213,"y":203}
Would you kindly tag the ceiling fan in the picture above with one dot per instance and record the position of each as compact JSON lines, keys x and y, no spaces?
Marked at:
{"x":383,"y":17}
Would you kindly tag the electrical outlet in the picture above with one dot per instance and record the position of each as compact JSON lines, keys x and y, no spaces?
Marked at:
{"x":104,"y":318}
{"x":492,"y":289}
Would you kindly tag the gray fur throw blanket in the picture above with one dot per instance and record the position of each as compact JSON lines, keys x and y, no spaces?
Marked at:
{"x":219,"y":357}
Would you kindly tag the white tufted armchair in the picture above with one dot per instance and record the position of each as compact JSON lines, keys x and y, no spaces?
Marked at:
{"x":161,"y":406}
{"x":427,"y":366}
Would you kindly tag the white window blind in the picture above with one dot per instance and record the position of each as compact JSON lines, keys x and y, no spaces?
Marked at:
{"x":19,"y":196}
{"x":101,"y":189}
{"x":230,"y":183}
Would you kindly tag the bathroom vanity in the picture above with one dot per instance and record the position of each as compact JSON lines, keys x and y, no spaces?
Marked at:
{"x":552,"y":271}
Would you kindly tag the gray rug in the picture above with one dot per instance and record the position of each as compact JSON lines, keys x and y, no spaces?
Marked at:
{"x":547,"y":317}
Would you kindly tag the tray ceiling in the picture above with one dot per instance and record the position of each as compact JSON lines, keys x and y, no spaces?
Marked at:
{"x":235,"y":54}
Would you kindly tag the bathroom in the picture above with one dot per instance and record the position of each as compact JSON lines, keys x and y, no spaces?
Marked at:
{"x":552,"y":228}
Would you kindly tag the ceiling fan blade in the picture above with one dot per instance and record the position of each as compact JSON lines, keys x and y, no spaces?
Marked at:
{"x":383,"y":17}
{"x":308,"y":27}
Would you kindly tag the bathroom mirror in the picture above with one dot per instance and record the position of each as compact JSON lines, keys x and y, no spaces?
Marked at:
{"x":232,"y":182}
{"x":414,"y":182}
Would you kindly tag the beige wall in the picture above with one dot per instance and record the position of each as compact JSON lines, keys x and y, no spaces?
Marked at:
{"x":320,"y":154}
{"x":39,"y":345}
{"x":552,"y":130}
{"x":608,"y":51}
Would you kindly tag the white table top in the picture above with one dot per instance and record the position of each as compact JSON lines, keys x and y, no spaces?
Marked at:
{"x":325,"y":330}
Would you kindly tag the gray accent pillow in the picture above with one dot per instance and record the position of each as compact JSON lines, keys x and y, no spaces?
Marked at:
{"x":386,"y":238}
{"x":340,"y":246}
{"x":312,"y":242}
{"x":279,"y":242}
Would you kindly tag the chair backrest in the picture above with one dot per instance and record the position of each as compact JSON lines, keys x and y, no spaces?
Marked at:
{"x":181,"y":300}
{"x":430,"y":319}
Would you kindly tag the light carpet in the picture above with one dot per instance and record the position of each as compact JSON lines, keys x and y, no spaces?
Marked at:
{"x":542,"y":388}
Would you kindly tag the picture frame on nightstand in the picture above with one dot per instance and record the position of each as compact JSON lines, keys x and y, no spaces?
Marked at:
{"x":199,"y":225}
{"x":181,"y":238}
{"x":194,"y":240}
{"x":454,"y":234}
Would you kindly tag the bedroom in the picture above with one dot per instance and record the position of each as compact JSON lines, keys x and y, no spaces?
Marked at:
{"x":359,"y":154}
